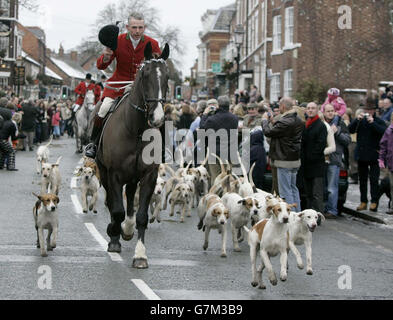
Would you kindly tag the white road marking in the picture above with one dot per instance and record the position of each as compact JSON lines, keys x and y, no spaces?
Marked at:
{"x":104,"y":244}
{"x":50,"y":258}
{"x":370,"y":243}
{"x":145,"y":289}
{"x":174,"y":263}
{"x":74,"y":183}
{"x":62,"y":248}
{"x":77,"y":205}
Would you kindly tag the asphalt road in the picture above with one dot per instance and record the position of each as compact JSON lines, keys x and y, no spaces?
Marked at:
{"x":80,"y":267}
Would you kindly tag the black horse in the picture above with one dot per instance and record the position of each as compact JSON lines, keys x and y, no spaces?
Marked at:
{"x":119,"y":156}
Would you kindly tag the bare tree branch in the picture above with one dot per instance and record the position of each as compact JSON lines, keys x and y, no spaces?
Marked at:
{"x":120,"y":12}
{"x":30,"y":5}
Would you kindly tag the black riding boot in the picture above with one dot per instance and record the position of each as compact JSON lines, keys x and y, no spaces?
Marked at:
{"x":91,"y":148}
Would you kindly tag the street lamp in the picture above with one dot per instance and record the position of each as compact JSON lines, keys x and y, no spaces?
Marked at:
{"x":239,"y":35}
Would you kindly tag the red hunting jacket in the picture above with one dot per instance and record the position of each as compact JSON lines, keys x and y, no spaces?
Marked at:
{"x":81,"y":91}
{"x":128,"y":61}
{"x":97,"y":93}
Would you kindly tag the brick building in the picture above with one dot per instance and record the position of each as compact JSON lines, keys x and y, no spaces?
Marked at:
{"x":345,"y":44}
{"x":10,"y":41}
{"x":214,"y":40}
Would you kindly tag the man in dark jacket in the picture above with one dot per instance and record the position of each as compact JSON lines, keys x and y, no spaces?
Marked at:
{"x":30,"y":113}
{"x":258,"y":156}
{"x":369,"y":129}
{"x":224,"y":121}
{"x":6,"y":131}
{"x":285,"y":143}
{"x":314,"y":142}
{"x":342,"y":139}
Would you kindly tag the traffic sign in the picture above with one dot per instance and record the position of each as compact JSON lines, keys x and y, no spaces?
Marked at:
{"x":216,"y":67}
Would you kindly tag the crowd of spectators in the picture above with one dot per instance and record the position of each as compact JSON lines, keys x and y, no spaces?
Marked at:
{"x":26,"y":123}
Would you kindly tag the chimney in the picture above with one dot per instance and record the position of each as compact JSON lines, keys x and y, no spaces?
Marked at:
{"x":74,"y":56}
{"x":61,"y":51}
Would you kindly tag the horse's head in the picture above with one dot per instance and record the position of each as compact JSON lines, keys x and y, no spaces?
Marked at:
{"x":154,"y":78}
{"x":89,"y":99}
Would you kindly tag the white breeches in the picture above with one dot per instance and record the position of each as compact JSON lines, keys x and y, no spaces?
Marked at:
{"x":105,"y":106}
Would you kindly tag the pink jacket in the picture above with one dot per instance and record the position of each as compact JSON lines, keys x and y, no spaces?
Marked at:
{"x":56,"y":119}
{"x":339,"y":105}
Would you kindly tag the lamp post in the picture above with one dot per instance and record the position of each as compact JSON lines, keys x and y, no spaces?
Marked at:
{"x":239,"y":34}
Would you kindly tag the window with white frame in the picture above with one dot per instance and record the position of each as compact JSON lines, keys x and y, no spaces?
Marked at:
{"x":275,"y":87}
{"x":288,"y":83}
{"x":289,"y":26}
{"x":277,"y":33}
{"x":256,"y":28}
{"x":263,"y":21}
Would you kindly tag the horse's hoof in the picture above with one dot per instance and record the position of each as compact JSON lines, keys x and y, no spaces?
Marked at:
{"x":114,"y":247}
{"x":84,"y":211}
{"x":95,"y":211}
{"x":126,"y":237}
{"x":152,"y":220}
{"x":140,"y":263}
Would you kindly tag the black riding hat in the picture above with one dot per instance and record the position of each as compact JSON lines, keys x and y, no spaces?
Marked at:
{"x":108,"y":36}
{"x":88,"y":76}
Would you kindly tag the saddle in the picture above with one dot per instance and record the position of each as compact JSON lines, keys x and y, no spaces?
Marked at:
{"x":115,"y":105}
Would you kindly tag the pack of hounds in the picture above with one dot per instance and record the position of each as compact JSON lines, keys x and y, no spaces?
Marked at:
{"x":269,"y":223}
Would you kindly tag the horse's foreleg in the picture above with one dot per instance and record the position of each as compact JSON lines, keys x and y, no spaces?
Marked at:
{"x":116,"y":208}
{"x":128,"y":225}
{"x":146,"y":191}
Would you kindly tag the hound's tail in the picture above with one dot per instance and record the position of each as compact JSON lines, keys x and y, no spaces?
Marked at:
{"x":237,"y":178}
{"x":207,"y":157}
{"x":50,"y":141}
{"x":246,"y":229}
{"x":171,"y":171}
{"x":220,"y":161}
{"x":243,"y":168}
{"x":58,"y":161}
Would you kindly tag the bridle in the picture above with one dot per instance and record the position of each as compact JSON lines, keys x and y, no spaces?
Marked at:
{"x":86,"y":103}
{"x":145,"y":104}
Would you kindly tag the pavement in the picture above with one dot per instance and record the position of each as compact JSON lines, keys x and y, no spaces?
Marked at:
{"x":352,"y":259}
{"x":353,"y":201}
